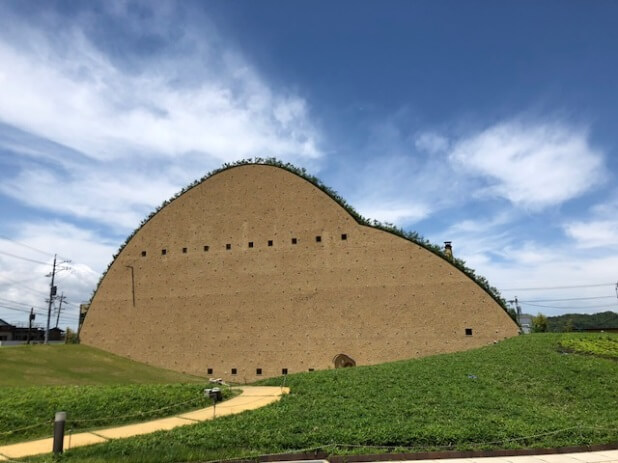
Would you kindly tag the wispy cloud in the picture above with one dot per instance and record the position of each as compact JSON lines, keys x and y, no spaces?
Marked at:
{"x":600,"y":230}
{"x":532,"y":165}
{"x":107,"y":134}
{"x":72,"y":92}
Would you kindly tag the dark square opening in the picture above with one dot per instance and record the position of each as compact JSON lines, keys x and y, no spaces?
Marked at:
{"x":294,"y":241}
{"x":318,"y":239}
{"x":143,"y":253}
{"x":344,"y":236}
{"x":284,"y":371}
{"x":468,"y":331}
{"x":209,"y":371}
{"x":206,"y":248}
{"x":163,"y":252}
{"x":184,"y":250}
{"x":258,"y":371}
{"x":270,"y":242}
{"x":250,"y":244}
{"x":228,"y":246}
{"x":234,"y":371}
{"x":311,"y":369}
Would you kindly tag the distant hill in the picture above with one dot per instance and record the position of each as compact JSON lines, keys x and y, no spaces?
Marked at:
{"x":580,"y":321}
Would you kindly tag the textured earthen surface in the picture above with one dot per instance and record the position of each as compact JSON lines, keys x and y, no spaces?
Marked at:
{"x":373,"y":296}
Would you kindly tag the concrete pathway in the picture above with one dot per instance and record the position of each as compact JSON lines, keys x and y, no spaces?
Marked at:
{"x":251,"y":397}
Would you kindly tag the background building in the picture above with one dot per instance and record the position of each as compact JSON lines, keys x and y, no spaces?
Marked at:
{"x":256,"y":271}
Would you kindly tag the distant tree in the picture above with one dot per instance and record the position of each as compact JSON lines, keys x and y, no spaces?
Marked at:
{"x":70,"y":337}
{"x":539,"y":323}
{"x":569,"y":326}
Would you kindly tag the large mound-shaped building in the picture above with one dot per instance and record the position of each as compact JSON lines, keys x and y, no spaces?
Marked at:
{"x":257,"y":272}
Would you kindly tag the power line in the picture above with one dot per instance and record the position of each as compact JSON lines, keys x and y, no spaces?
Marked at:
{"x":24,"y":258}
{"x":606,"y":306}
{"x":560,"y":287}
{"x":570,"y":299}
{"x":6,"y":238}
{"x":20,"y":303}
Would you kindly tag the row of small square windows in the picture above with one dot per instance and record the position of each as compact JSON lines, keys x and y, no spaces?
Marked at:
{"x":258,"y":371}
{"x":228,"y":246}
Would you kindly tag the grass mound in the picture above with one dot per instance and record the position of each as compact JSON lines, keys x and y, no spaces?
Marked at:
{"x":75,"y":364}
{"x":522,"y":392}
{"x":94,"y":388}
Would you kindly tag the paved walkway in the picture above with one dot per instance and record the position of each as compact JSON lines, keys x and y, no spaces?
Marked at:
{"x":251,"y":397}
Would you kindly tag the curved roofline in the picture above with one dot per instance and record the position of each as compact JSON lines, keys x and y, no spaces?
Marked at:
{"x":301,"y":172}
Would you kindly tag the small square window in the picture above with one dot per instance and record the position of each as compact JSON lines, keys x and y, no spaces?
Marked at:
{"x":184,"y":250}
{"x":311,"y":369}
{"x":206,"y":248}
{"x":250,"y":244}
{"x":209,"y":371}
{"x":163,"y":252}
{"x":234,"y":371}
{"x":143,"y":253}
{"x":294,"y":241}
{"x":228,"y":246}
{"x":258,"y":371}
{"x":270,"y":242}
{"x":344,"y":236}
{"x":318,"y":239}
{"x":284,"y":371}
{"x":468,"y":331}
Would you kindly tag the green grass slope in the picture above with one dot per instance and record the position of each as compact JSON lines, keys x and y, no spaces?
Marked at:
{"x":74,"y":364}
{"x":94,"y":388}
{"x":523,"y":392}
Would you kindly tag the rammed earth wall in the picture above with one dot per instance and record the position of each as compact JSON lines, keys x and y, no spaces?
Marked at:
{"x":212,"y":297}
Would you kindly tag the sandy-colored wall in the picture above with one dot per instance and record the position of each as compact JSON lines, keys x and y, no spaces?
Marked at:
{"x":374,"y":296}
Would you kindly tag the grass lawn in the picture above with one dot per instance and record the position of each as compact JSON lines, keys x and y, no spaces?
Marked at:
{"x":72,"y":364}
{"x":94,"y":388}
{"x":523,"y":392}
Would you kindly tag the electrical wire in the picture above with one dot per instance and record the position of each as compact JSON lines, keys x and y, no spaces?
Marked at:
{"x":569,"y":299}
{"x":24,"y":258}
{"x":561,"y":287}
{"x":6,"y":238}
{"x":607,"y":306}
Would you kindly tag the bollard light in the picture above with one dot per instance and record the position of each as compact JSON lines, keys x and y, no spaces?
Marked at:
{"x":59,"y":422}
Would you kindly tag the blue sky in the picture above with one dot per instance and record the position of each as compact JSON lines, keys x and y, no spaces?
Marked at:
{"x":491,"y":124}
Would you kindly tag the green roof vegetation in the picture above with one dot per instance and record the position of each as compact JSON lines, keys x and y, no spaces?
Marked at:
{"x":385,"y":226}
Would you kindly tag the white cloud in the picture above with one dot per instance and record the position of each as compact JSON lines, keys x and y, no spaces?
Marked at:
{"x":103,"y":111}
{"x":600,"y":231}
{"x":113,"y":197}
{"x":531,"y":165}
{"x":394,"y":213}
{"x":128,"y":131}
{"x":594,"y":234}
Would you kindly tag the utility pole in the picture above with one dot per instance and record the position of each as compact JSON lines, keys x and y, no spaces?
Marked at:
{"x":517,"y":308}
{"x":30,"y":318}
{"x":62,"y":299}
{"x":52,"y":293}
